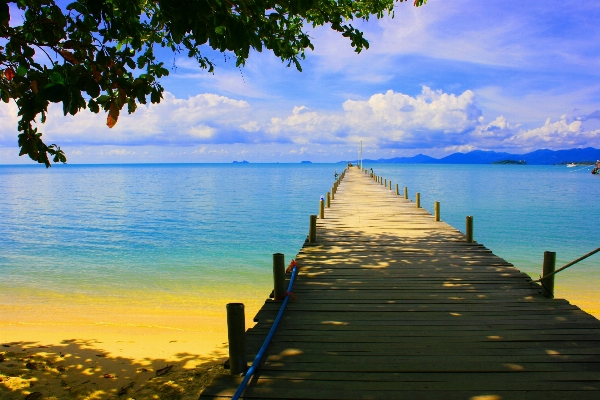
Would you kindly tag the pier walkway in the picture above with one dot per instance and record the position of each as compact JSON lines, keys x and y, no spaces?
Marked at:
{"x":390,"y":304}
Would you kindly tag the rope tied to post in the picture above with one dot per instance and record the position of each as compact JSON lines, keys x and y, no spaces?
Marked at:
{"x":591,"y":253}
{"x":263,"y":349}
{"x":291,"y":294}
{"x":290,"y":267}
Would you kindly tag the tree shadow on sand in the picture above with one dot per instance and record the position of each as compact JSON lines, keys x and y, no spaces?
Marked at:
{"x":81,"y":369}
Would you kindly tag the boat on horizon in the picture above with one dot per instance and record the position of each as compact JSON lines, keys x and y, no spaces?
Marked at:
{"x":570,"y":165}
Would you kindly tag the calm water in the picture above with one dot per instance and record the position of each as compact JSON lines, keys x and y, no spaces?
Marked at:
{"x":129,"y":234}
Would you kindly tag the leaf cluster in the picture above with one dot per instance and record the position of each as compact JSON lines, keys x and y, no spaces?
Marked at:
{"x":101,"y":54}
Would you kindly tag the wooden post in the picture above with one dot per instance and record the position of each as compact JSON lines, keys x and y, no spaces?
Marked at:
{"x":436,"y":210}
{"x":328,"y":200}
{"x":385,"y":184}
{"x":236,"y":332}
{"x":322,"y":208}
{"x":418,"y":199}
{"x":390,"y":185}
{"x":469,"y":229}
{"x":278,"y":276}
{"x":332,"y":193}
{"x":405,"y":192}
{"x":397,"y":192}
{"x":312,"y":231}
{"x":548,"y":268}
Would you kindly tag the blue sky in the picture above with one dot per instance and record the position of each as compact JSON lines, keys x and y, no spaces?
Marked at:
{"x":451,"y":76}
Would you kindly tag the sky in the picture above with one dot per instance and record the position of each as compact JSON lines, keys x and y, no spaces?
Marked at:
{"x":451,"y":76}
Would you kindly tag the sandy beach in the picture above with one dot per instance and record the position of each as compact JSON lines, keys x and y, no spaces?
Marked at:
{"x":60,"y":356}
{"x":103,"y":364}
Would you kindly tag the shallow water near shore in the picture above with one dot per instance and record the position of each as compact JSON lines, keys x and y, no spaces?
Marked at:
{"x":162,"y":248}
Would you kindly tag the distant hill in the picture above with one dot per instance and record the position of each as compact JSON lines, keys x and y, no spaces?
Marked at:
{"x":538,"y":157}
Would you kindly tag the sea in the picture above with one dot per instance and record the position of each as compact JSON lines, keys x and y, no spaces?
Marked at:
{"x":185,"y":239}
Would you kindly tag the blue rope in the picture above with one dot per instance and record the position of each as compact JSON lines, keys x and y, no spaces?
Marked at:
{"x":263,"y":349}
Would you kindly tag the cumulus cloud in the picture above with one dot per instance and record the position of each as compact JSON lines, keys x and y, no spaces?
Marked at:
{"x":405,"y":121}
{"x":564,"y":132}
{"x":432,"y":121}
{"x":204,"y":118}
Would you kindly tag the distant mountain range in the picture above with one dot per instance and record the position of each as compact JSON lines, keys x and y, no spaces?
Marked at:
{"x":538,"y":157}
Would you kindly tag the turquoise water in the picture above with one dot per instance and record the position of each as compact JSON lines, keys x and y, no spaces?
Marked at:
{"x":130,"y":233}
{"x":112,"y":231}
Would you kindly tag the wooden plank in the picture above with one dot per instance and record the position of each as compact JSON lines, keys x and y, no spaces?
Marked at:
{"x":531,"y":381}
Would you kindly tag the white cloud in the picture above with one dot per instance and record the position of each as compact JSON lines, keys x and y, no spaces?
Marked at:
{"x":215,"y":127}
{"x":563,"y":133}
{"x":118,"y":152}
{"x":8,"y":127}
{"x":174,"y":121}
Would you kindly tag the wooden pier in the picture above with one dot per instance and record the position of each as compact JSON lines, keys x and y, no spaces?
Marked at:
{"x":390,"y":304}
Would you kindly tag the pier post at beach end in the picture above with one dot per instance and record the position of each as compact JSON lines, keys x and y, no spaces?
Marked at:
{"x":547,"y":268}
{"x":236,"y":332}
{"x":278,"y":276}
{"x":436,"y":210}
{"x":312,"y":231}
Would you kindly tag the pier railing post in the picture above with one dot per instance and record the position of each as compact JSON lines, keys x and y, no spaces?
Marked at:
{"x":236,"y":332}
{"x":548,"y":268}
{"x":418,"y":200}
{"x":312,"y":231}
{"x":333,"y":193}
{"x":436,"y":210}
{"x":469,"y":229}
{"x":390,"y":184}
{"x":278,"y":276}
{"x":385,"y":184}
{"x":397,"y":192}
{"x":405,"y":192}
{"x":322,"y":208}
{"x":328,"y":200}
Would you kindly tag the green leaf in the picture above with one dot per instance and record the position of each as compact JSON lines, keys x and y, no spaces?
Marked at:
{"x":53,"y":92}
{"x":57,"y":77}
{"x":93,"y":106}
{"x":4,"y":14}
{"x":92,"y":88}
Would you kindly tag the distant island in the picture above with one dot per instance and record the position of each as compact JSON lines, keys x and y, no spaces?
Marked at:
{"x":515,"y":162}
{"x":241,"y":162}
{"x":305,"y":162}
{"x":538,"y":157}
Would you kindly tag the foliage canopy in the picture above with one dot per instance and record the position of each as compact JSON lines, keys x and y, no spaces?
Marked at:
{"x":100,"y":54}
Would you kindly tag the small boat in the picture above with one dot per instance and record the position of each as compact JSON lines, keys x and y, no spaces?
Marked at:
{"x":570,"y":165}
